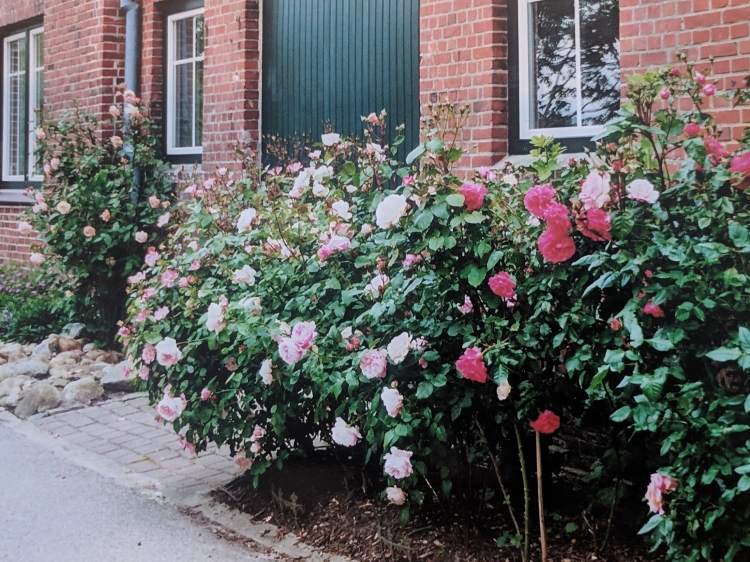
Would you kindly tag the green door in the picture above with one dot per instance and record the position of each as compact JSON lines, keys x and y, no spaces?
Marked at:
{"x":333,"y":61}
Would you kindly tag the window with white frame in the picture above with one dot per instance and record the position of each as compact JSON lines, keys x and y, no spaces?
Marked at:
{"x":185,"y":40}
{"x":568,"y":66}
{"x":22,"y":95}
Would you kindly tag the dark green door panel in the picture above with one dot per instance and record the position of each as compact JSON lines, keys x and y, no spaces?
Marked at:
{"x":333,"y":61}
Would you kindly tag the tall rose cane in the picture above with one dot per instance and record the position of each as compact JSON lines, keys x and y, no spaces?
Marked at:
{"x":547,"y":422}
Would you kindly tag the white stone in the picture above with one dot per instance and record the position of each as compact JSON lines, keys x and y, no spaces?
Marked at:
{"x":82,"y":391}
{"x":39,"y":398}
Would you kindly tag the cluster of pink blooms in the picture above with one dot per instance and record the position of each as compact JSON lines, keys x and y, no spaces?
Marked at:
{"x":741,"y":165}
{"x":171,"y":407}
{"x":294,"y":347}
{"x":410,"y":260}
{"x":660,"y":484}
{"x":503,"y":285}
{"x":555,"y":244}
{"x":335,"y":244}
{"x":471,"y":365}
{"x":473,"y":195}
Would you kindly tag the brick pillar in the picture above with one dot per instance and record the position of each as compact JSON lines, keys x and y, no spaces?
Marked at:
{"x":464,"y":52}
{"x":84,"y":51}
{"x":14,"y":246}
{"x":231,"y":83}
{"x":652,"y":31}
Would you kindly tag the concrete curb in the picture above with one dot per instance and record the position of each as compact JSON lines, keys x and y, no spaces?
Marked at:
{"x":264,"y":534}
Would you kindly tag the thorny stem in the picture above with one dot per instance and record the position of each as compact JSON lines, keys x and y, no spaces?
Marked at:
{"x":526,"y":495}
{"x":504,"y":490}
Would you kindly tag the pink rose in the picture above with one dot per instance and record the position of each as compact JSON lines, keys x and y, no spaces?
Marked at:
{"x":344,"y":434}
{"x":643,"y":191}
{"x":410,"y":260}
{"x":89,"y":231}
{"x":709,"y":89}
{"x":154,"y":202}
{"x":664,"y":94}
{"x":243,"y":463}
{"x":692,"y":129}
{"x":556,"y":246}
{"x":207,"y":395}
{"x":161,"y":313}
{"x":615,"y":324}
{"x":374,"y":364}
{"x":660,"y":484}
{"x":653,"y":310}
{"x":392,"y":400}
{"x":741,"y":165}
{"x":116,"y":141}
{"x":170,"y":408}
{"x":547,"y":422}
{"x":398,"y":463}
{"x":169,"y":277}
{"x":141,"y":237}
{"x":538,"y":198}
{"x":595,"y":224}
{"x":303,"y":334}
{"x":289,"y":351}
{"x":408,"y":181}
{"x":167,"y":352}
{"x":324,"y":252}
{"x":467,"y":306}
{"x":502,"y":285}
{"x":700,"y":78}
{"x":395,"y":495}
{"x":143,"y":373}
{"x":556,"y":216}
{"x":473,"y":195}
{"x":195,"y":265}
{"x":471,"y":365}
{"x":595,"y":190}
{"x":25,"y":228}
{"x":149,"y":354}
{"x":151,"y":256}
{"x":715,"y":148}
{"x":487,"y":173}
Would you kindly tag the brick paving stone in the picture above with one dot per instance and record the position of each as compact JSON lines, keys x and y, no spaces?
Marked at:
{"x":78,"y":420}
{"x":105,"y":447}
{"x":176,"y":463}
{"x":144,"y":447}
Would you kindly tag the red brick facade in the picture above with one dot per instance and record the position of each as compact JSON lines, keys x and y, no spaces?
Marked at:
{"x":463,"y":48}
{"x":14,"y":246}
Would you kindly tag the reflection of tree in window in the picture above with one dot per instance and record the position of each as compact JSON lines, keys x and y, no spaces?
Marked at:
{"x":554,"y":62}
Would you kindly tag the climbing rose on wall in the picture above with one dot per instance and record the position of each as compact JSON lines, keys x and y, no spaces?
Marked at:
{"x":538,"y":198}
{"x":471,"y":365}
{"x":473,"y":196}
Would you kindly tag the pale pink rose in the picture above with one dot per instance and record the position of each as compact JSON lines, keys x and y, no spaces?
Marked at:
{"x":63,"y":207}
{"x":161,"y":313}
{"x":170,"y":407}
{"x":660,"y":484}
{"x":372,"y":119}
{"x":149,"y":354}
{"x":289,"y":351}
{"x":114,"y":111}
{"x":54,"y":163}
{"x":40,"y":134}
{"x":395,"y":495}
{"x":294,"y":167}
{"x":215,"y":318}
{"x":195,"y":265}
{"x":140,"y":317}
{"x":595,"y":190}
{"x":398,"y":463}
{"x":36,"y":258}
{"x":193,"y":245}
{"x":390,"y":210}
{"x":141,"y":237}
{"x":151,"y":256}
{"x":392,"y":400}
{"x":487,"y":173}
{"x":207,"y":395}
{"x":243,"y":463}
{"x":154,"y":202}
{"x":330,"y":139}
{"x":149,"y":293}
{"x":376,"y":285}
{"x":137,"y":278}
{"x":123,"y":332}
{"x":423,"y":362}
{"x":266,"y":372}
{"x":163,"y":220}
{"x":89,"y":231}
{"x":245,"y":275}
{"x":169,"y":277}
{"x":246,"y":220}
{"x":25,"y":228}
{"x":399,"y":347}
{"x":303,"y":334}
{"x":258,"y":433}
{"x":467,"y":306}
{"x":341,"y":209}
{"x":167,"y":352}
{"x":503,"y":389}
{"x":116,"y":141}
{"x":255,"y":448}
{"x":366,"y":229}
{"x":642,"y":190}
{"x":143,"y":373}
{"x":344,"y":434}
{"x":410,"y":260}
{"x":374,"y":363}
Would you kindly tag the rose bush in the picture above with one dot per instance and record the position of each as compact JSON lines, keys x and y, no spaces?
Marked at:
{"x":100,"y":207}
{"x":421,"y":322}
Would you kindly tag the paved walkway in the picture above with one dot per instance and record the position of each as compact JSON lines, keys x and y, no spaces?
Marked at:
{"x":125,"y":431}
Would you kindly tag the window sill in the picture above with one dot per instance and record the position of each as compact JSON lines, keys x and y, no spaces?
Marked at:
{"x":14,"y":197}
{"x":525,"y":159}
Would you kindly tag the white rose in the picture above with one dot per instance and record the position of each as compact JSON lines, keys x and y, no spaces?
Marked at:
{"x":330,"y":139}
{"x":36,"y":259}
{"x":346,"y":333}
{"x":25,"y":228}
{"x":510,"y":179}
{"x":322,"y":173}
{"x":302,"y":181}
{"x":215,"y":319}
{"x":251,"y":304}
{"x":244,"y":275}
{"x":642,"y":190}
{"x":390,"y":211}
{"x":392,"y":400}
{"x":247,"y":217}
{"x":395,"y":495}
{"x":141,"y":236}
{"x":320,"y":190}
{"x":341,"y":209}
{"x":399,"y":347}
{"x":167,"y":352}
{"x":266,"y":372}
{"x":375,"y":285}
{"x":503,"y":389}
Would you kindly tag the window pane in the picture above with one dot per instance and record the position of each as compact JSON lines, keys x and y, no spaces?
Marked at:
{"x":39,"y":50}
{"x":17,"y":99}
{"x":183,"y":39}
{"x":184,"y":92}
{"x":199,"y":36}
{"x":553,"y":64}
{"x":600,"y":60}
{"x":198,"y":103}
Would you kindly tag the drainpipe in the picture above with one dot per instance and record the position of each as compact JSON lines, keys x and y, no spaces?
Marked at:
{"x":132,"y":55}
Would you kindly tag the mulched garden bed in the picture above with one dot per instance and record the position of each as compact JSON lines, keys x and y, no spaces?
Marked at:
{"x":323,"y":502}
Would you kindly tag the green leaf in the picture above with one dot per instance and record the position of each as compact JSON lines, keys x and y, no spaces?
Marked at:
{"x":739,"y":235}
{"x":435,"y":145}
{"x":744,"y":484}
{"x":651,"y":525}
{"x":474,"y":218}
{"x":424,"y":390}
{"x":476,"y":276}
{"x":622,"y":224}
{"x":455,"y":200}
{"x":494,"y":258}
{"x":660,"y":344}
{"x":747,"y":403}
{"x":725,"y":354}
{"x":416,"y":153}
{"x":621,"y":415}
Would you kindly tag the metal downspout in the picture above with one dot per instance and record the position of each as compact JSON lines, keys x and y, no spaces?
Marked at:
{"x":132,"y":57}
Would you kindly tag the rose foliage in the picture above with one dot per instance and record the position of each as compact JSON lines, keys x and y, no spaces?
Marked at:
{"x":421,"y":323}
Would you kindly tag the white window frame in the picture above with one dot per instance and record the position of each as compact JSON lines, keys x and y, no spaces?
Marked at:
{"x":171,"y":91}
{"x":526,"y":90}
{"x":6,"y":105}
{"x":33,"y":88}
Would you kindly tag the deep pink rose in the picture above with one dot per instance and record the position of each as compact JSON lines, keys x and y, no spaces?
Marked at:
{"x":709,"y":89}
{"x":741,"y":165}
{"x":653,"y":310}
{"x":595,"y":224}
{"x":473,"y":195}
{"x":502,"y":285}
{"x":556,"y":216}
{"x":556,"y":246}
{"x":664,"y":94}
{"x":538,"y":198}
{"x":692,"y":129}
{"x":715,"y":148}
{"x":471,"y":365}
{"x":547,"y":422}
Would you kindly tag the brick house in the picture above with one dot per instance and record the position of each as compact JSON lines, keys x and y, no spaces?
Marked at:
{"x":217,"y":71}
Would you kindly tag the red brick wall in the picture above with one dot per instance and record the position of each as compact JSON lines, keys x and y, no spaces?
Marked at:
{"x":652,"y":31}
{"x":84,"y":50}
{"x":15,"y":12}
{"x":14,"y":247}
{"x":464,"y":50}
